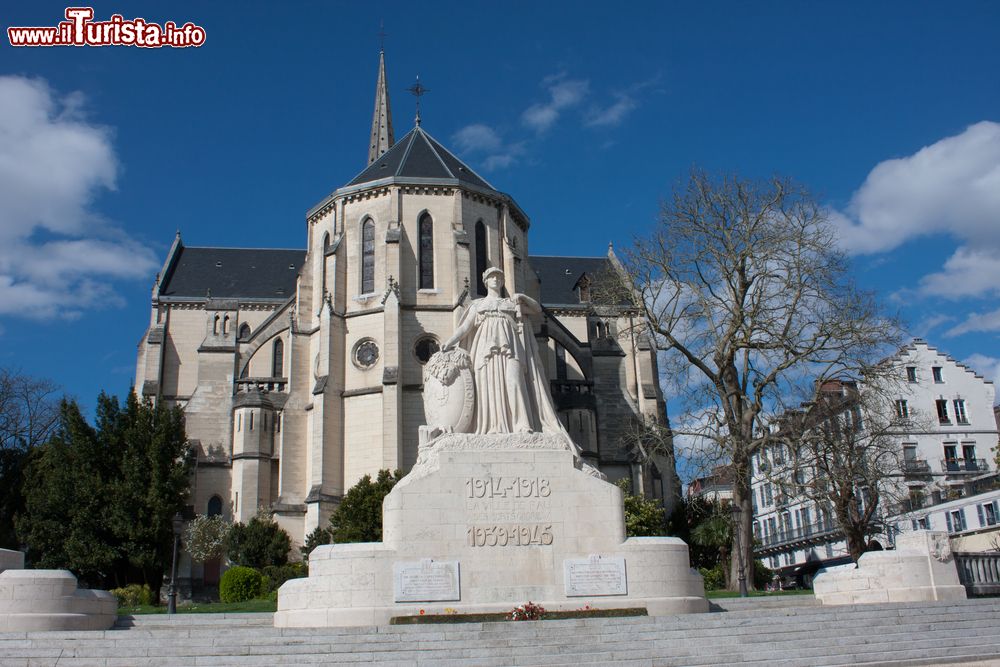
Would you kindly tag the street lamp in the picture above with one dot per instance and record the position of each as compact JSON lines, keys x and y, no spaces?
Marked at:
{"x":738,"y":531}
{"x":178,"y":522}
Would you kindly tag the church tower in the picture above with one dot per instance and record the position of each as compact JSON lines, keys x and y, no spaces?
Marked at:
{"x":381,"y":139}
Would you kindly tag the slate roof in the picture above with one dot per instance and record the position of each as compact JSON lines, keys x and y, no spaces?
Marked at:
{"x":232,"y":273}
{"x":559,"y":275}
{"x":419,"y":156}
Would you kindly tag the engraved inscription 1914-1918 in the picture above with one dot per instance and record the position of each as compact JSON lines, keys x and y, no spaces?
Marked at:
{"x":507,"y":487}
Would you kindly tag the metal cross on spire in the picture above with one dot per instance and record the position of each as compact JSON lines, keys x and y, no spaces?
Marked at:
{"x":382,"y":34}
{"x":418,"y":91}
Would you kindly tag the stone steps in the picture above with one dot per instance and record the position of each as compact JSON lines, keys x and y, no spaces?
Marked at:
{"x":782,"y":636}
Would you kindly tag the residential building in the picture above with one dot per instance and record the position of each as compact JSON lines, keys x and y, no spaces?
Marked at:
{"x":945,"y":449}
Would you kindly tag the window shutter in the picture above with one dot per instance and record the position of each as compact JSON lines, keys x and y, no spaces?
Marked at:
{"x":996,"y":510}
{"x":961,"y":519}
{"x":982,"y":519}
{"x":947,"y":520}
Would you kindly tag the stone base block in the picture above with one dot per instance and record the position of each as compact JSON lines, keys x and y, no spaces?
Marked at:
{"x":41,"y":600}
{"x":487,"y":523}
{"x":921,"y":568}
{"x":11,"y":560}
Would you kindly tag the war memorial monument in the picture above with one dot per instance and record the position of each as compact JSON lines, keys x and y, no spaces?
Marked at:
{"x":499,"y":509}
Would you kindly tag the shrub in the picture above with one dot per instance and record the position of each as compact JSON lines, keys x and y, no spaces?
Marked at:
{"x":762,"y":575}
{"x":715,"y":578}
{"x":279,"y":574}
{"x":133,"y":595}
{"x":258,"y":543}
{"x":643,"y":517}
{"x":239,"y":584}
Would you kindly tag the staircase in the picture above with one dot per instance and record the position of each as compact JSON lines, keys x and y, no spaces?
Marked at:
{"x":782,"y":632}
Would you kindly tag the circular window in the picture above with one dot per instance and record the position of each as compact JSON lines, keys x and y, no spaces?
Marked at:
{"x":365,"y":353}
{"x":425,"y":347}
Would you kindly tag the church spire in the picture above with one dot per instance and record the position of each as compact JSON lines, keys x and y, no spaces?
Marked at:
{"x":382,"y":139}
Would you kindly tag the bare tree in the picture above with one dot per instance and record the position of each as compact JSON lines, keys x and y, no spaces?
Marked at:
{"x":29,"y":413}
{"x":841,"y":452}
{"x":29,"y":410}
{"x":742,"y":284}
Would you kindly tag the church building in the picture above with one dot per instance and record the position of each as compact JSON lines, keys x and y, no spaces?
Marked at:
{"x":300,"y":371}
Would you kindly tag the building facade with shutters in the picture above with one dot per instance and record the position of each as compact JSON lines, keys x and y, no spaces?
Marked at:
{"x":946,"y":459}
{"x":300,"y":371}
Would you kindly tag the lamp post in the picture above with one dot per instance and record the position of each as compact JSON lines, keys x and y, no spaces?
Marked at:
{"x":178,"y":522}
{"x":738,"y":531}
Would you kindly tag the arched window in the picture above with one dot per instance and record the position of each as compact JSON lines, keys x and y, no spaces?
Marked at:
{"x":214,"y":506}
{"x":368,"y":256}
{"x":215,"y":325}
{"x":326,"y":242}
{"x":244,"y":332}
{"x":225,"y":325}
{"x":480,"y":258}
{"x":278,"y":359}
{"x":426,"y":252}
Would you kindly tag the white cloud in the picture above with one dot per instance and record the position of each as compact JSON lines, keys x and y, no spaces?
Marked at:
{"x":613,"y":114}
{"x":56,"y":254}
{"x":951,"y":186}
{"x":988,"y":367}
{"x":477,"y":137}
{"x":968,"y":272}
{"x":483,"y":139}
{"x":977,"y":322}
{"x":563,"y":94}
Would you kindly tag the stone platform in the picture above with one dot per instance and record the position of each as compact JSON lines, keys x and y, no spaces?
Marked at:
{"x":487,"y":522}
{"x":921,"y":568}
{"x":32,"y":600}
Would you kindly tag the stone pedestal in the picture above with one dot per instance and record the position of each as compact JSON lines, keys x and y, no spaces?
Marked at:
{"x":36,"y":600}
{"x":11,"y":560}
{"x":486,"y":522}
{"x":921,"y":568}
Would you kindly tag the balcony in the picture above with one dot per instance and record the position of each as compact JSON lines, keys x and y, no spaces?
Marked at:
{"x":808,"y":534}
{"x":245,"y":385}
{"x":960,"y":466}
{"x":916,"y":467}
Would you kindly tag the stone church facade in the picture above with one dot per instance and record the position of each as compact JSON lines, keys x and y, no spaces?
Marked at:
{"x":300,"y":371}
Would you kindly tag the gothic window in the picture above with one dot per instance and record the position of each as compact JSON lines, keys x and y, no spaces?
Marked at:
{"x":426,"y":252}
{"x":214,"y":506}
{"x":278,"y":359}
{"x":244,"y":332}
{"x":326,"y":242}
{"x":215,"y":325}
{"x":480,"y":257}
{"x":368,"y":256}
{"x":225,"y":325}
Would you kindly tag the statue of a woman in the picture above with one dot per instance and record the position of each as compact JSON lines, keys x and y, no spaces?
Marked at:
{"x":512,"y":394}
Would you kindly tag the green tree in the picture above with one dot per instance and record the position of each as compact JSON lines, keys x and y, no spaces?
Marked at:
{"x":65,"y":522}
{"x":359,"y":516}
{"x":258,"y":543}
{"x":100,"y":500}
{"x":643,"y":517}
{"x":152,"y":483}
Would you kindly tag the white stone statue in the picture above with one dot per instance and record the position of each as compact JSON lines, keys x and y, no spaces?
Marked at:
{"x":511,"y":391}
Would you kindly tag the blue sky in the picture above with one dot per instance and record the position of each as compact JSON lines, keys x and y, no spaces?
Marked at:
{"x":587,"y":113}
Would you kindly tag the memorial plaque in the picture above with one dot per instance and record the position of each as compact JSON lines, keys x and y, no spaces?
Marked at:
{"x":595,"y":576}
{"x":426,"y":581}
